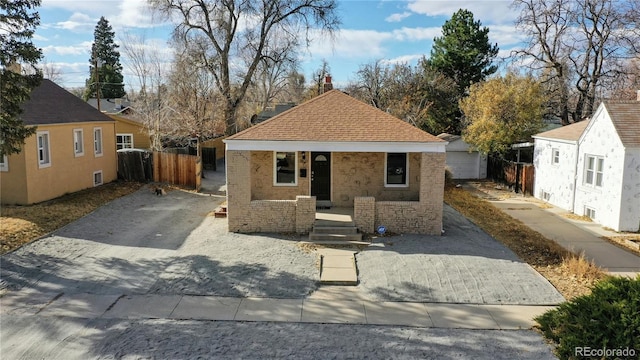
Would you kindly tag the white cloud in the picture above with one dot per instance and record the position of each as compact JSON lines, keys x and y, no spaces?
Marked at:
{"x":350,"y":43}
{"x":78,"y":22}
{"x":404,"y":59}
{"x":397,"y":17}
{"x":505,"y":35}
{"x":487,"y":11}
{"x":416,"y":34}
{"x":79,"y":49}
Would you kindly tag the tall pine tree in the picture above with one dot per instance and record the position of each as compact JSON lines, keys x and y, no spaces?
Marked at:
{"x":104,"y":54}
{"x":464,"y":53}
{"x":18,"y":21}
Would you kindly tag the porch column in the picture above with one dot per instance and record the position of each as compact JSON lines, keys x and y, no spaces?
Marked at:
{"x":238,"y":164}
{"x":432,"y":167}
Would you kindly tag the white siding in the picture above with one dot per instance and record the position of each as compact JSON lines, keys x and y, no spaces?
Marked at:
{"x":556,"y":181}
{"x":630,"y":206}
{"x":601,"y":139}
{"x":464,"y":164}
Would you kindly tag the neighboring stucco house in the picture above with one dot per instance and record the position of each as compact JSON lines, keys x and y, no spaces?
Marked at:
{"x":130,"y":133}
{"x":336,"y":151}
{"x":463,"y":161}
{"x":592,"y":168}
{"x":73,"y":149}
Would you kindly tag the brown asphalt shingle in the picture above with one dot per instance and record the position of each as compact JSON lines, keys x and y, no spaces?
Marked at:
{"x":335,"y":116}
{"x":569,"y":132}
{"x":51,"y":104}
{"x":625,"y":116}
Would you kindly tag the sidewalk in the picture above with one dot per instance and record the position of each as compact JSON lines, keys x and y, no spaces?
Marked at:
{"x":574,"y":235}
{"x":322,"y":309}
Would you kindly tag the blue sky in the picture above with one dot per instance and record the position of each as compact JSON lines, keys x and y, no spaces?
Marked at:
{"x":394,"y":31}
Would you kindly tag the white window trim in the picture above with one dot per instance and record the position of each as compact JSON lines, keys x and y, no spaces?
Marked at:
{"x":94,"y":178}
{"x":48,"y":149}
{"x":553,"y":156}
{"x":406,"y":166}
{"x":595,"y":171}
{"x":4,"y":165}
{"x":275,"y":169}
{"x":125,"y":134}
{"x":97,"y":152}
{"x":77,"y":153}
{"x":588,"y":210}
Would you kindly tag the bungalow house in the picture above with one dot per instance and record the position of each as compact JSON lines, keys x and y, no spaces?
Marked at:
{"x":592,"y":168}
{"x":463,"y":161}
{"x":73,"y":149}
{"x":334,"y":150}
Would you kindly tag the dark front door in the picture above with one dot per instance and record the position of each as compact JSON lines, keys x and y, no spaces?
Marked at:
{"x":321,"y":175}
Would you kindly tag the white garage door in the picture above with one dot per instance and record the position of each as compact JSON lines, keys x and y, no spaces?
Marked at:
{"x":463,"y":165}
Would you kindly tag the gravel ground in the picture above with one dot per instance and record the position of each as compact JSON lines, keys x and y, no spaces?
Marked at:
{"x":464,"y":266}
{"x":65,"y":338}
{"x":142,"y":243}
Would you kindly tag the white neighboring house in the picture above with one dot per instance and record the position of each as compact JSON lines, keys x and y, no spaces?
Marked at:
{"x":462,"y":160}
{"x":593,"y":168}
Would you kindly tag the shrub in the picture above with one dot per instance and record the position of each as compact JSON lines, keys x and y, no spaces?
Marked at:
{"x":608,"y":318}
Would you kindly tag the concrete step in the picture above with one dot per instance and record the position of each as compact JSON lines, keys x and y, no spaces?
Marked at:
{"x":333,"y":223}
{"x":342,"y":237}
{"x":335,"y":230}
{"x":336,"y":242}
{"x":338,"y":267}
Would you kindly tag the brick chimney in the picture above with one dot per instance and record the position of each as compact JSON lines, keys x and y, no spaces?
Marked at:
{"x":328,"y":86}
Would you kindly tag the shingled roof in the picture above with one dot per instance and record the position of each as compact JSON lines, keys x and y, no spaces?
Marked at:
{"x":51,"y":104}
{"x":569,"y":132}
{"x":625,"y":116}
{"x":335,"y":117}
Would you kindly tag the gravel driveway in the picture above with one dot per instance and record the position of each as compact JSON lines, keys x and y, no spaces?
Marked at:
{"x":142,"y":243}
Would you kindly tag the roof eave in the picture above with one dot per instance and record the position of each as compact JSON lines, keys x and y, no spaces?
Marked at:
{"x":335,"y":146}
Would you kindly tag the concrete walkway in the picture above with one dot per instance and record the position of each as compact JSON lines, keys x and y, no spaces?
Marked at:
{"x":574,"y":235}
{"x":319,"y":309}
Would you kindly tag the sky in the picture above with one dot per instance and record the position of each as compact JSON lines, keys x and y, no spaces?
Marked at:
{"x":371,"y":30}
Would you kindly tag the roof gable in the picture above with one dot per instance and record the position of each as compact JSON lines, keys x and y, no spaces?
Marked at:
{"x":335,"y":117}
{"x":570,"y":132}
{"x":51,"y":104}
{"x":625,"y":116}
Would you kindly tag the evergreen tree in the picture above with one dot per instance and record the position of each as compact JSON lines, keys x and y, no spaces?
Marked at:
{"x":104,"y":54}
{"x":18,"y":21}
{"x":464,"y":53}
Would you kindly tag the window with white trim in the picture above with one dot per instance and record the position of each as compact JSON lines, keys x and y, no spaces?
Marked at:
{"x":593,"y":170}
{"x":396,"y":170}
{"x":78,"y":143}
{"x":285,"y":168}
{"x":44,"y":151}
{"x":555,"y":157}
{"x":97,"y":178}
{"x":4,"y":163}
{"x":97,"y":141}
{"x":124,"y":141}
{"x":590,"y":212}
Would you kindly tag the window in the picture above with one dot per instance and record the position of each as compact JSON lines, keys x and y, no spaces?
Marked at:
{"x":397,"y":167}
{"x":556,"y":156}
{"x":78,"y":145}
{"x":97,"y":178}
{"x":286,"y":169}
{"x":124,"y":141}
{"x":590,"y":212}
{"x":44,"y":157}
{"x":594,"y":167}
{"x":4,"y":163}
{"x":97,"y":141}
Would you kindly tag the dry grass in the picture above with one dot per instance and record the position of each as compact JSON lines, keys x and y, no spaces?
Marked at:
{"x":22,"y":224}
{"x":578,"y":217}
{"x":571,"y":274}
{"x":622,"y":242}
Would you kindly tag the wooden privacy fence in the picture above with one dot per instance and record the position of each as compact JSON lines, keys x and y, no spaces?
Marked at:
{"x":177,"y":169}
{"x":135,"y":165}
{"x":519,"y":175}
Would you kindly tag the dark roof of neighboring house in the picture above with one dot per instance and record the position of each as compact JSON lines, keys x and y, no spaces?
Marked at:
{"x":335,"y":116}
{"x":570,"y":132}
{"x":109,"y":106}
{"x":449,"y":137}
{"x":51,"y":104}
{"x":625,"y":116}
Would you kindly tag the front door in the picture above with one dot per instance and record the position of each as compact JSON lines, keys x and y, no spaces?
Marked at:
{"x":321,"y":175}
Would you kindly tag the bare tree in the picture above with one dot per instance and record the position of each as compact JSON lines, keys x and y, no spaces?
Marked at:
{"x":223,"y":32}
{"x":52,"y":72}
{"x":579,"y":46}
{"x":150,"y":103}
{"x":317,"y":80}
